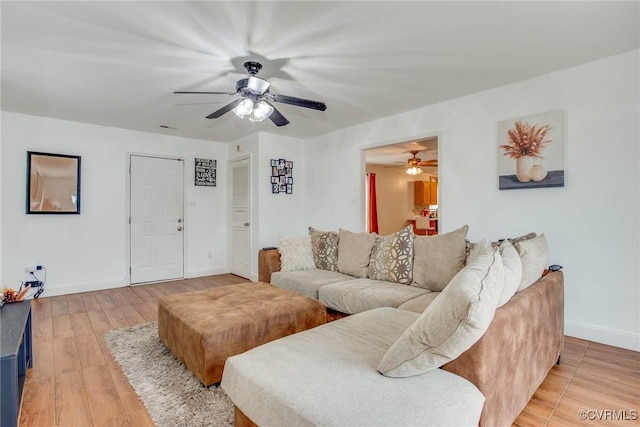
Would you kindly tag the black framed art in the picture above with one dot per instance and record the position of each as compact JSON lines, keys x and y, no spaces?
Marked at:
{"x":53,"y":183}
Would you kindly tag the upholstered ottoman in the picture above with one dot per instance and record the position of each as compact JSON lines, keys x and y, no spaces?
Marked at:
{"x":204,"y":328}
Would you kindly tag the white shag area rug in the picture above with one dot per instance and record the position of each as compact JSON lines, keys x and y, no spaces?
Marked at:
{"x":172,"y":395}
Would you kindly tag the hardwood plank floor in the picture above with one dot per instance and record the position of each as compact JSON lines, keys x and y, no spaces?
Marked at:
{"x":76,"y":382}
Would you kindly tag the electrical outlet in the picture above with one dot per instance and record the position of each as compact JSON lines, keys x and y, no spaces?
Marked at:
{"x":34,"y":283}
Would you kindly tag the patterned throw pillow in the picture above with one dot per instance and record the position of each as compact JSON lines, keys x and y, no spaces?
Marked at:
{"x":392,"y":257}
{"x":296,"y":253}
{"x":325,"y":249}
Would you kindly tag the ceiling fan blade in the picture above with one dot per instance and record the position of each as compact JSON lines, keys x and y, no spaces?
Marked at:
{"x":230,"y":106}
{"x":205,"y":93}
{"x":299,"y":102}
{"x":277,"y":118}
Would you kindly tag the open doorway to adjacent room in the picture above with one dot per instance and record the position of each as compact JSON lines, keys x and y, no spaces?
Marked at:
{"x":402,"y":187}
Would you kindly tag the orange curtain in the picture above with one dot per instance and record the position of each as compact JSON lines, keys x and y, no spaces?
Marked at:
{"x":373,"y":206}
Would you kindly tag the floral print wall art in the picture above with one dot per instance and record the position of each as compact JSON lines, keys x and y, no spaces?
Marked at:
{"x":531,"y":151}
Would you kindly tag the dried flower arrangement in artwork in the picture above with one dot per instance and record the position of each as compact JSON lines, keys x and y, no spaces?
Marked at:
{"x":526,"y":140}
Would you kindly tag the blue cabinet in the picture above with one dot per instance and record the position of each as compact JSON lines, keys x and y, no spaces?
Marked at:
{"x":17,"y":357}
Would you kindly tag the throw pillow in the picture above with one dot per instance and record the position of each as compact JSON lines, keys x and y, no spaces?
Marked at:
{"x":296,"y":253}
{"x":534,"y":254}
{"x":453,"y":322}
{"x":497,"y":243}
{"x":512,"y":271}
{"x":325,"y":249}
{"x":392,"y":257}
{"x":354,"y":250}
{"x":437,"y":259}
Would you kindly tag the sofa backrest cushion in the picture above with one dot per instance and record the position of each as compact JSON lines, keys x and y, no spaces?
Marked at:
{"x":512,"y":271}
{"x":453,"y":322}
{"x":296,"y":253}
{"x":354,"y":251}
{"x":392,"y":257}
{"x":534,"y":254}
{"x":437,"y":259}
{"x":325,"y":249}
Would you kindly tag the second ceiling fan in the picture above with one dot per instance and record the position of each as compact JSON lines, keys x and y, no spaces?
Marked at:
{"x":256,"y":100}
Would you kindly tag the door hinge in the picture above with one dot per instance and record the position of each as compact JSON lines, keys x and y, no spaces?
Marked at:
{"x":129,"y":271}
{"x":129,"y":220}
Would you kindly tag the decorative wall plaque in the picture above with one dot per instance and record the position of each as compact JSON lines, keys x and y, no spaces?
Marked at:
{"x":205,"y":172}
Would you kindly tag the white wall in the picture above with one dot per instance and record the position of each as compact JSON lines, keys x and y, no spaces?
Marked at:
{"x":90,"y":251}
{"x":281,"y":214}
{"x":592,"y":224}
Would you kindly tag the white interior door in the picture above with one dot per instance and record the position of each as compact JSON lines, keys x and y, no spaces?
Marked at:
{"x":156,"y":219}
{"x":240,"y":205}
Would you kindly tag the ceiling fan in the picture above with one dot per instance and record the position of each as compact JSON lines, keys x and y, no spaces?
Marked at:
{"x":413,"y":165}
{"x":417,"y":161}
{"x":255,"y":100}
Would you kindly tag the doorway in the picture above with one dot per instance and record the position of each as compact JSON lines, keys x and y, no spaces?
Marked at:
{"x":397,"y":204}
{"x":156,"y":218}
{"x":240,"y":215}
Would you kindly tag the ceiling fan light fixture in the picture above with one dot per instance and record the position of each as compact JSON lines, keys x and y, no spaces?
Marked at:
{"x":261,"y":111}
{"x":244,"y":108}
{"x":414,"y":170}
{"x":258,"y":85}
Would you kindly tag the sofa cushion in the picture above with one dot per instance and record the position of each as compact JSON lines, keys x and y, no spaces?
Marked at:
{"x":497,"y":243}
{"x":453,"y":322}
{"x":307,"y":282}
{"x":419,"y":303}
{"x":295,"y":253}
{"x":534,"y":254}
{"x":364,"y":294}
{"x":392,"y":257}
{"x":354,"y":250}
{"x":438,"y":258}
{"x":325,"y":249}
{"x":326,"y":376}
{"x":512,"y":271}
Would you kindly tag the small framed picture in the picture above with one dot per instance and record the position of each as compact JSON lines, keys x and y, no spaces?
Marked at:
{"x":274,"y":162}
{"x":283,"y":188}
{"x":288,"y":164}
{"x":275,"y":188}
{"x":274,"y":180}
{"x":274,"y":171}
{"x":289,"y":188}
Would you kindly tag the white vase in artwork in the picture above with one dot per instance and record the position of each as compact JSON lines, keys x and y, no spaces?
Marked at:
{"x":523,"y":168}
{"x":538,"y":172}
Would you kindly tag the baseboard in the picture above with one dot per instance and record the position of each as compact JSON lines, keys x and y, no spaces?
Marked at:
{"x":602,"y":335}
{"x":87,"y":287}
{"x":50,"y":291}
{"x":206,"y":272}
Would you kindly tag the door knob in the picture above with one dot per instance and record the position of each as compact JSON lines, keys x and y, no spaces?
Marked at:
{"x":179,"y":228}
{"x":246,"y":224}
{"x":179,"y":220}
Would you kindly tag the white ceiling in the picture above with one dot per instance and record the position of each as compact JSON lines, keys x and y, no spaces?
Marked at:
{"x":117,"y":63}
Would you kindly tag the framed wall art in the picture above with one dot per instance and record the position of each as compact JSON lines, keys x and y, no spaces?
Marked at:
{"x":53,"y":183}
{"x":531,"y":151}
{"x":205,"y":172}
{"x":281,"y":176}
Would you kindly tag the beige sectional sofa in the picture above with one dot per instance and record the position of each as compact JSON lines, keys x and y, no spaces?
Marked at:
{"x":465,"y":340}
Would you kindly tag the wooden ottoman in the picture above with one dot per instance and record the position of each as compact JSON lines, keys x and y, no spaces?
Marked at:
{"x":204,"y":328}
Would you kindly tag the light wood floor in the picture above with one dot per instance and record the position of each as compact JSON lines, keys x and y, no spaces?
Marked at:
{"x":76,"y":382}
